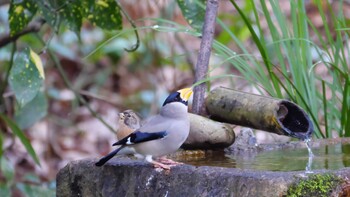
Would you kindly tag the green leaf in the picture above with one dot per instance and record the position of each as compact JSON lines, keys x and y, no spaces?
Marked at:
{"x":17,"y":131}
{"x":48,"y":11}
{"x":60,"y":12}
{"x":71,"y":14}
{"x":20,"y":14}
{"x":193,"y":12}
{"x":35,"y":110}
{"x":37,"y":63}
{"x":105,"y":14}
{"x":26,"y":76}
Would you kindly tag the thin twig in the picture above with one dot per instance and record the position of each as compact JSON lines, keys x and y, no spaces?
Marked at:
{"x":58,"y":65}
{"x":136,"y":46}
{"x":204,"y":55}
{"x":101,"y":98}
{"x":5,"y":82}
{"x":3,"y":127}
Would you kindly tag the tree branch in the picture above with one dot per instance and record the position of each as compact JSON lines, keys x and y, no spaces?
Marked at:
{"x":204,"y":55}
{"x":33,"y":27}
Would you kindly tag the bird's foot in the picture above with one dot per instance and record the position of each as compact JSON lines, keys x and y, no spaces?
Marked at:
{"x":161,"y":165}
{"x":165,"y":160}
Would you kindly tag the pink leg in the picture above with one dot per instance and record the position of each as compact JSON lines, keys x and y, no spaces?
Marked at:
{"x":157,"y":164}
{"x":165,"y":160}
{"x":160,"y":165}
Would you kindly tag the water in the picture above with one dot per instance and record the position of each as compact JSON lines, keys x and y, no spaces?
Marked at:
{"x":311,"y":155}
{"x":330,"y":157}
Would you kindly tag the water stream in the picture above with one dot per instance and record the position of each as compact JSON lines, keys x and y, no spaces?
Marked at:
{"x":308,"y":169}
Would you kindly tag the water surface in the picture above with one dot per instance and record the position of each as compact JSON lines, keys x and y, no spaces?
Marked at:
{"x":330,"y":157}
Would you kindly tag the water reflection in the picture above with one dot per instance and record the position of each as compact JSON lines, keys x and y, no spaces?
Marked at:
{"x":215,"y":158}
{"x":327,"y":157}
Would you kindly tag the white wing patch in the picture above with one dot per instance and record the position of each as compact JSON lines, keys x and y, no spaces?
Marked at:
{"x":128,"y":141}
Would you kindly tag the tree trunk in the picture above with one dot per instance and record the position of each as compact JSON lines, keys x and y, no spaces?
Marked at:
{"x":204,"y":56}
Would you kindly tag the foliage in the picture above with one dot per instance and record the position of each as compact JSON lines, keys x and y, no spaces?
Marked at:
{"x":20,"y":14}
{"x":104,"y":13}
{"x":193,"y":12}
{"x":21,"y":136}
{"x":283,"y":60}
{"x":292,"y":50}
{"x":25,"y":72}
{"x":315,"y":185}
{"x":290,"y":58}
{"x":26,"y":76}
{"x":287,"y":66}
{"x":33,"y":55}
{"x":38,"y":105}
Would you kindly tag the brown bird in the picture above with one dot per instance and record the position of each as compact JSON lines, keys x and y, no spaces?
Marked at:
{"x":128,"y":121}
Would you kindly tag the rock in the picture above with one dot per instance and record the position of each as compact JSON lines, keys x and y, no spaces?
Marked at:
{"x":125,"y":177}
{"x":246,"y":137}
{"x":208,"y":134}
{"x":245,"y":141}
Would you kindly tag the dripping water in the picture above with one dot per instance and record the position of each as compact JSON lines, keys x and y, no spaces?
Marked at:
{"x":308,"y":169}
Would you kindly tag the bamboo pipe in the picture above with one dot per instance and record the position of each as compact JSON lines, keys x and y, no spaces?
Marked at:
{"x":259,"y":112}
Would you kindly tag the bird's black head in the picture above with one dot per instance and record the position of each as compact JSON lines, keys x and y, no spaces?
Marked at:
{"x":181,"y":96}
{"x":174,"y":97}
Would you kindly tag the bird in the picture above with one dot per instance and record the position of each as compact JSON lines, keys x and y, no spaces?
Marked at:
{"x":128,"y":122}
{"x":161,"y":135}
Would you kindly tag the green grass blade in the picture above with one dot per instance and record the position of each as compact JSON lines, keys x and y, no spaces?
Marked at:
{"x":345,"y":122}
{"x":325,"y":113}
{"x":327,"y":29}
{"x":261,"y":49}
{"x":17,"y":131}
{"x":213,"y":78}
{"x":1,"y":144}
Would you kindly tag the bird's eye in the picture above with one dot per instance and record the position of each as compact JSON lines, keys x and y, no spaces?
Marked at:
{"x":178,"y":98}
{"x":174,"y":97}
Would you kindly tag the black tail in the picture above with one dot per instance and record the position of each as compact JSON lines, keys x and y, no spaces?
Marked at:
{"x":104,"y":159}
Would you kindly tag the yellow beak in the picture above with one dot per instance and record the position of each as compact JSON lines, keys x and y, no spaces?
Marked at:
{"x":185,"y":93}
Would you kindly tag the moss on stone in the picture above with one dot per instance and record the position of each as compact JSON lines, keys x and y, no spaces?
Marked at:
{"x":320,"y":185}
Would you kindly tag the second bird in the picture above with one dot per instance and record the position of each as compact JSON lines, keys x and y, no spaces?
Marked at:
{"x":128,"y":122}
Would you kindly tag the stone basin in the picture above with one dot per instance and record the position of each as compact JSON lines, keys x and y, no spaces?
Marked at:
{"x":123,"y":176}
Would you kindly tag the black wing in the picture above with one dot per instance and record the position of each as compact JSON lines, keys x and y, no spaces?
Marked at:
{"x":138,"y":137}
